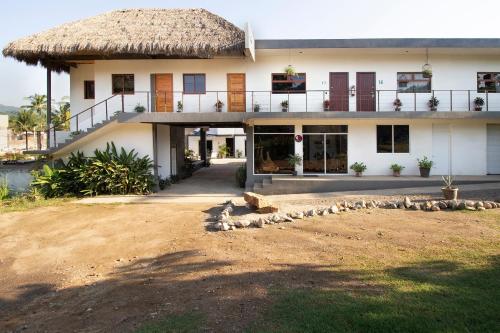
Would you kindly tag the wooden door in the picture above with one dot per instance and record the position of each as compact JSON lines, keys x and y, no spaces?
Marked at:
{"x":164,"y":94}
{"x":236,"y":96}
{"x":339,"y":91}
{"x":365,"y":91}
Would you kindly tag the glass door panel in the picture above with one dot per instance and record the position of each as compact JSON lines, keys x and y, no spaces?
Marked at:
{"x":336,"y":153}
{"x":314,"y":153}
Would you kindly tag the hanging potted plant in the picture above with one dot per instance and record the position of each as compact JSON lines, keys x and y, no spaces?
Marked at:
{"x":284,"y":106}
{"x":218,"y":106}
{"x":450,"y":192}
{"x":425,"y":166}
{"x":180,"y":106}
{"x":433,"y":103}
{"x":294,"y":161}
{"x":478,"y":103}
{"x":396,"y":169}
{"x":358,"y":168}
{"x":397,"y":104}
{"x":427,"y":71}
{"x":289,"y":70}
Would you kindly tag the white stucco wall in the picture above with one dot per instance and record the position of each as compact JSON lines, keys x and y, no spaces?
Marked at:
{"x":452,"y":69}
{"x":239,"y":143}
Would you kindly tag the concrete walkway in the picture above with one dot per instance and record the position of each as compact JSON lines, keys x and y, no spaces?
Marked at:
{"x":207,"y":185}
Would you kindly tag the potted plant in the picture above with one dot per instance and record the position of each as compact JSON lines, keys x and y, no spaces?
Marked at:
{"x":478,"y":103}
{"x":433,"y":103}
{"x":396,"y":169}
{"x":139,"y":108}
{"x":397,"y":104}
{"x":425,"y":166}
{"x":294,"y":160}
{"x":427,"y":72}
{"x":256,"y":107}
{"x":358,"y":168}
{"x":218,"y":106}
{"x":289,"y":70}
{"x":450,"y":192}
{"x":284,"y":106}
{"x":180,"y":106}
{"x":326,"y":105}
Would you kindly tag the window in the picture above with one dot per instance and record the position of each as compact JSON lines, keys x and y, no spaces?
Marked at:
{"x":488,"y":82}
{"x":88,"y":89}
{"x":272,"y":147}
{"x":194,"y":84}
{"x":324,"y":129}
{"x":413,"y":82}
{"x":123,"y":83}
{"x":393,"y":139}
{"x":293,"y":84}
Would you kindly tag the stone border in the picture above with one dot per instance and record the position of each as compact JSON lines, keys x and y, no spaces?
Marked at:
{"x":225,"y":222}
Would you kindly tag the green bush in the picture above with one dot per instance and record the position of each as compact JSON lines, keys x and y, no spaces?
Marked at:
{"x":241,"y":175}
{"x":4,"y":189}
{"x":107,"y":172}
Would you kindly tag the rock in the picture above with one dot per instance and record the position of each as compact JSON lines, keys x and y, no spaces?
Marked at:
{"x":260,"y":203}
{"x":471,"y":208}
{"x":415,"y":206}
{"x":276,"y":218}
{"x":481,"y":209}
{"x":470,"y":203}
{"x":300,"y":215}
{"x":224,"y":227}
{"x":407,"y":202}
{"x":461,"y":205}
{"x":391,"y":205}
{"x":427,"y":205}
{"x":361,"y":204}
{"x":479,"y":204}
{"x":453,"y":204}
{"x":323,"y":212}
{"x":311,"y":212}
{"x":334,"y":209}
{"x":442,"y":205}
{"x":401,"y":205}
{"x":259,"y":223}
{"x":242,"y":223}
{"x":488,"y":205}
{"x":493,"y":204}
{"x":287,"y":218}
{"x":435,"y":208}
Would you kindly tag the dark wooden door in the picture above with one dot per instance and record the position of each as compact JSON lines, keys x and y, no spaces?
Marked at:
{"x":339,"y":91}
{"x":365,"y":91}
{"x":236,"y":92}
{"x":164,"y":96}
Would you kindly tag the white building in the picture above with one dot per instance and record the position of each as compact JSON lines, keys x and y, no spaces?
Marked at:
{"x":234,"y":139}
{"x":341,"y":97}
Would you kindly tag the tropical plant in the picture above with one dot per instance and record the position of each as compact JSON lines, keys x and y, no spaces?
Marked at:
{"x":358,"y":167}
{"x":223,"y":151}
{"x":163,"y":183}
{"x":256,"y":107}
{"x":218,"y":105}
{"x":139,"y":108}
{"x":25,"y":122}
{"x":433,"y":103}
{"x":107,"y":172}
{"x":241,"y":175}
{"x":38,"y":105}
{"x":180,"y":106}
{"x":448,"y":182}
{"x":397,"y":104}
{"x":425,"y":163}
{"x":4,"y":189}
{"x":284,"y":105}
{"x":294,"y":160}
{"x":478,"y":103}
{"x":60,"y":117}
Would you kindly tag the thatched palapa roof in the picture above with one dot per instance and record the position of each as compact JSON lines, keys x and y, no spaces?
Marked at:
{"x":131,"y":34}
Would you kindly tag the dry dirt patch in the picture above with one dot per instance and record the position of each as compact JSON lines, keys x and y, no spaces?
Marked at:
{"x":112,"y":267}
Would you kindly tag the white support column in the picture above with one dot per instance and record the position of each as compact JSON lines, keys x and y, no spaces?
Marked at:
{"x":299,"y":150}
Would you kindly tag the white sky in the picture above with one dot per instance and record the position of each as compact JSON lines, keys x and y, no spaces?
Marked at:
{"x":269,"y":19}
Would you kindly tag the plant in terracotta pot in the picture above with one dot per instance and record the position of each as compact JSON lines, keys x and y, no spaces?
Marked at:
{"x":358,"y":168}
{"x":284,"y":106}
{"x":218,"y":106}
{"x":478,"y":103}
{"x":396,"y":169}
{"x":294,"y":161}
{"x":450,"y":192}
{"x":433,"y":103}
{"x":397,"y":104}
{"x":425,"y":166}
{"x":326,"y":105}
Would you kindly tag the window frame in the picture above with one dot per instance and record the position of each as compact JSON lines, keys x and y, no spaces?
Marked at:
{"x":113,"y":76}
{"x":288,"y":80}
{"x":392,"y":140}
{"x":413,"y":79}
{"x":194,"y":84}
{"x":86,"y":92}
{"x":496,"y":74}
{"x":269,"y":132}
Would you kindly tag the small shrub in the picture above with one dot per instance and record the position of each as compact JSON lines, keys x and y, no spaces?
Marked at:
{"x":139,"y":108}
{"x":241,"y":175}
{"x":239,"y":153}
{"x":396,"y":167}
{"x":358,"y":167}
{"x":425,"y":163}
{"x":223,"y":151}
{"x":163,"y":183}
{"x":4,"y":189}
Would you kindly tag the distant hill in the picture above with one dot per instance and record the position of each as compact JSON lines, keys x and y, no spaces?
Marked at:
{"x":9,"y":110}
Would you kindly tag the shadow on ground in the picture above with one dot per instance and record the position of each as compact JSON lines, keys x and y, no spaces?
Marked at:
{"x":426,"y":296}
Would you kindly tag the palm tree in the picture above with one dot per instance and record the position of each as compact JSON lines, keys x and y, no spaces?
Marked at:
{"x":60,"y":118}
{"x":24,"y":122}
{"x":38,"y":105}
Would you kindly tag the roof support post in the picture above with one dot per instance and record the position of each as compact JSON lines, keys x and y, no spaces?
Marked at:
{"x":155,"y":157}
{"x":49,"y":104}
{"x":203,"y":146}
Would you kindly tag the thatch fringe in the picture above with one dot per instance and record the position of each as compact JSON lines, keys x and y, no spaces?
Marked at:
{"x":140,"y":33}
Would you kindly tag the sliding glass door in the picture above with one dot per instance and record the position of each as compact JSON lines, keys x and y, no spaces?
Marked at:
{"x":325,"y":149}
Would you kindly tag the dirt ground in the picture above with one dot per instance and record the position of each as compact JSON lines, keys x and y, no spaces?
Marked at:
{"x":110,"y":268}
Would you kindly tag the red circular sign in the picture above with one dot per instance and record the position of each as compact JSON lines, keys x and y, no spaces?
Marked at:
{"x":298,"y":138}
